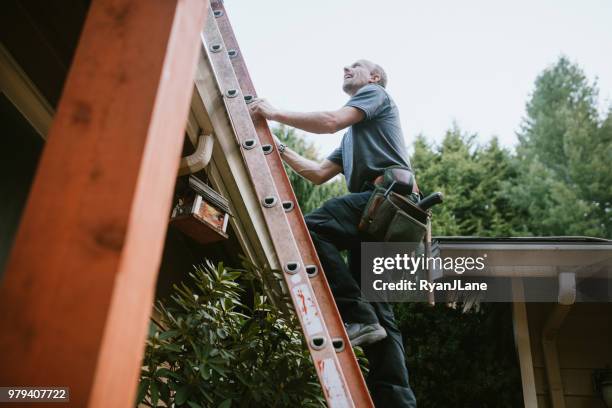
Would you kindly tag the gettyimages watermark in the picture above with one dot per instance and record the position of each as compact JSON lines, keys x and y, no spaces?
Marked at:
{"x":403,"y":272}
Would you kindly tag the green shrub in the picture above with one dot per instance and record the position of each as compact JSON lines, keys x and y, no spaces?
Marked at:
{"x":217,"y":344}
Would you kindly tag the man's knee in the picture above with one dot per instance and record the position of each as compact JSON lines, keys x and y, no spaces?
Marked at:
{"x":318,"y":217}
{"x":310,"y":222}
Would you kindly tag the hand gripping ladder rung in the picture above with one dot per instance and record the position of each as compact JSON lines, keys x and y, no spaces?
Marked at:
{"x":337,"y":368}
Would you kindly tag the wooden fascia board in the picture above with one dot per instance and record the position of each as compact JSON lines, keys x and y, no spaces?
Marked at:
{"x":22,"y":92}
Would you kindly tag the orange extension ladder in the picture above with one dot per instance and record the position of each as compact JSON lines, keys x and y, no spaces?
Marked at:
{"x":337,"y":368}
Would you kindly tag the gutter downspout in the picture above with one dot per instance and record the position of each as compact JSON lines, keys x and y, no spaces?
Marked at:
{"x":200,"y":158}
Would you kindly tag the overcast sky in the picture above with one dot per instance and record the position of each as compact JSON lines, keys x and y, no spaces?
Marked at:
{"x":469,"y":61}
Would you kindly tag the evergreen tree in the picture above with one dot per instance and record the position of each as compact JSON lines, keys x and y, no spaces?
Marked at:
{"x":564,"y":155}
{"x":473,"y":179}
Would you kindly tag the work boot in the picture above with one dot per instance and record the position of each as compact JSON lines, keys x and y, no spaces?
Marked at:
{"x":362,"y":334}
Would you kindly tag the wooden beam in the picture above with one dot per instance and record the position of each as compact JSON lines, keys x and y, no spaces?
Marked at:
{"x":523,"y":344}
{"x":79,"y":285}
{"x":550,"y":331}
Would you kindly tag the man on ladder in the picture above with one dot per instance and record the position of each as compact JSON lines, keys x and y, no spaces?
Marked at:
{"x":373,"y":142}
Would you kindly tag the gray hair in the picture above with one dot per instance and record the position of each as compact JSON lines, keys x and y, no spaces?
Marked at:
{"x":378,"y":70}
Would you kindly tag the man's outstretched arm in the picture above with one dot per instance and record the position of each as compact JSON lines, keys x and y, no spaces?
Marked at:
{"x":313,"y":122}
{"x":317,"y":173}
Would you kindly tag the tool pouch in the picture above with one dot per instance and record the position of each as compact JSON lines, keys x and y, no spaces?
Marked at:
{"x":391,"y":217}
{"x":398,"y":178}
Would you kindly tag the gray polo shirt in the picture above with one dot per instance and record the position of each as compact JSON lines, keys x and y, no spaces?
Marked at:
{"x":374,"y":143}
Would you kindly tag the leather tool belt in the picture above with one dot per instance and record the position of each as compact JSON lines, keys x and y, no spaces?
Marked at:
{"x":390,"y":216}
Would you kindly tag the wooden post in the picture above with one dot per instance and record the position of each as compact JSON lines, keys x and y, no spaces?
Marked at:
{"x":550,"y":332}
{"x":78,"y":288}
{"x":523,"y":344}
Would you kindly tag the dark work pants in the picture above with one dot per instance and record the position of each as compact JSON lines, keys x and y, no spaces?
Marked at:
{"x":333,"y":228}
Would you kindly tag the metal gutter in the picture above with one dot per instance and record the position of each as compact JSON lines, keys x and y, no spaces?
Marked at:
{"x":529,"y":257}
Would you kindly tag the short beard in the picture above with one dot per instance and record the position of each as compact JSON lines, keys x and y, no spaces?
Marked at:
{"x":349,"y":88}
